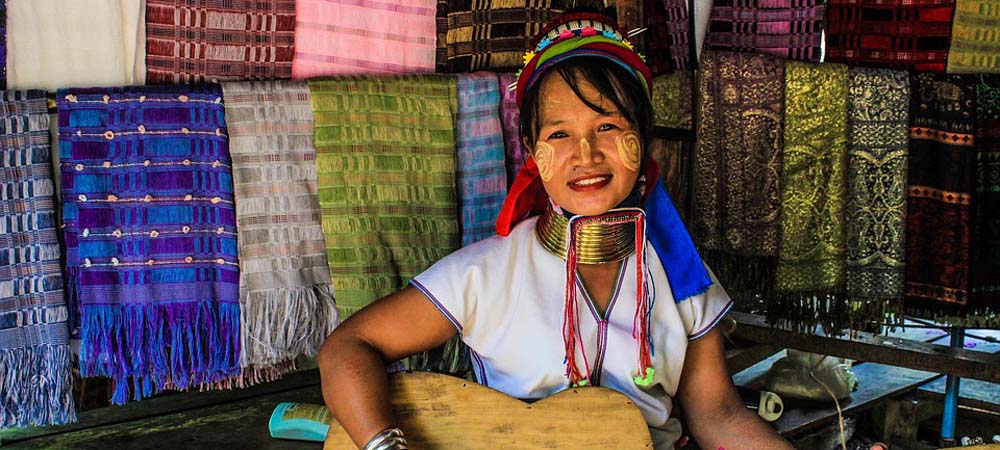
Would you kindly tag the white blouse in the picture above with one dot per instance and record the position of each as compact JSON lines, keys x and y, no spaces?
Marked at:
{"x":505,"y":296}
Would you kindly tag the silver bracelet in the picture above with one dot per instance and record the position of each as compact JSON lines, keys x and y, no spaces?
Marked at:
{"x":387,"y":439}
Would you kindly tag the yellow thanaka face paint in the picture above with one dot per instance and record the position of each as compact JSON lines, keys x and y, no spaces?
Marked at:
{"x":544,"y":156}
{"x":629,"y":149}
{"x":584,"y":150}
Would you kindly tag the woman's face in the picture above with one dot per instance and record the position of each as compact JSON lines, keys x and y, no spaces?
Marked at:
{"x":588,"y":161}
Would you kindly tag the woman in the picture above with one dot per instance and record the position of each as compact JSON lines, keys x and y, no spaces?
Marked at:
{"x":576,"y":291}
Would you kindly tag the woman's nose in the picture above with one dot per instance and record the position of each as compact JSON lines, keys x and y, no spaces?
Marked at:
{"x":588,"y":154}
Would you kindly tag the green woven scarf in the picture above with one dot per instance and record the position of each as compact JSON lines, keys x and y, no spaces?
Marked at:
{"x":811,"y":259}
{"x":386,"y":165}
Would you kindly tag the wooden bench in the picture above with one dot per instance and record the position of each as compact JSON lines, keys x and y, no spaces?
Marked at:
{"x":446,"y":413}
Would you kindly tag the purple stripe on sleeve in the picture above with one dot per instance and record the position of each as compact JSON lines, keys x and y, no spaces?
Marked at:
{"x":481,"y":373}
{"x":437,"y":303}
{"x":714,"y":321}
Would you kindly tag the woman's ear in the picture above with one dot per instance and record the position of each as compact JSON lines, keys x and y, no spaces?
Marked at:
{"x":529,"y":150}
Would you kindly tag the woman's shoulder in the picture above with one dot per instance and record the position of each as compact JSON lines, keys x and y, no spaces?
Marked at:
{"x":496,"y":250}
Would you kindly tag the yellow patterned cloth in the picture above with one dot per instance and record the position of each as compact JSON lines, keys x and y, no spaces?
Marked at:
{"x":975,"y":37}
{"x":386,"y":162}
{"x":672,"y":100}
{"x":812,"y":253}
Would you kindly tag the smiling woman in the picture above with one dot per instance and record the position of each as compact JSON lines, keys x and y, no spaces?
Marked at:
{"x":578,"y":154}
{"x":586,"y":227}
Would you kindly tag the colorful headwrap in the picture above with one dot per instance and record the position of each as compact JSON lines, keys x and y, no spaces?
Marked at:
{"x":569,"y":36}
{"x":581,"y":34}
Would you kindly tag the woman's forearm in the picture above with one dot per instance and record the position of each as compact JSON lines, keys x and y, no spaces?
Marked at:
{"x":355,"y":387}
{"x":741,"y":429}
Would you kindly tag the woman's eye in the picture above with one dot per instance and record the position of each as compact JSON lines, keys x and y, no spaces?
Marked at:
{"x":557,"y":135}
{"x":607,"y":127}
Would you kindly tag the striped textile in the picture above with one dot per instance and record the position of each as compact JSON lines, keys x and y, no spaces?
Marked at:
{"x":36,"y":383}
{"x":668,"y":46}
{"x":386,"y":162}
{"x":737,"y":164}
{"x":812,"y":249}
{"x":481,"y":176}
{"x":53,"y":44}
{"x":941,"y":178}
{"x":986,"y":234}
{"x":150,"y":233}
{"x":286,"y":297}
{"x":334,"y":37}
{"x":790,"y":29}
{"x":511,"y":128}
{"x":878,"y":133}
{"x":489,"y":35}
{"x":191,"y":41}
{"x":975,"y":39}
{"x":3,"y":44}
{"x":903,"y":34}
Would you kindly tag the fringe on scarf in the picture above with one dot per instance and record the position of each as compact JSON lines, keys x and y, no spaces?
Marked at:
{"x":253,"y":376}
{"x":951,"y":314}
{"x":37,"y":386}
{"x":749,"y":280}
{"x":179,"y":345}
{"x":280,"y":324}
{"x":836,"y":313}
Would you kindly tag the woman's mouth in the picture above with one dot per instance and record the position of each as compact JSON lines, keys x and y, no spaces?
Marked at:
{"x":589,"y":183}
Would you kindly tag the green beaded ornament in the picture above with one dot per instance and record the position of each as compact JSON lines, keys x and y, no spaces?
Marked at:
{"x":646,"y":381}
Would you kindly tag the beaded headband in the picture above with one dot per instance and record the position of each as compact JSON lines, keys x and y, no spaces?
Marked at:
{"x":582,"y":34}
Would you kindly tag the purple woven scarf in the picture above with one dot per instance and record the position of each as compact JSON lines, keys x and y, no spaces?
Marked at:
{"x":790,"y":29}
{"x":150,"y":234}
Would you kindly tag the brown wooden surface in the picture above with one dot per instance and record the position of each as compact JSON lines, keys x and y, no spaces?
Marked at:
{"x":240,"y":424}
{"x":875,"y":382}
{"x":438,"y":412}
{"x":876,"y":348}
{"x":629,"y":14}
{"x":166,"y":404}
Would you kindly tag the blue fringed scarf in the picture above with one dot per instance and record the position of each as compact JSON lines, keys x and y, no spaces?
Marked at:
{"x":35,"y":360}
{"x":150,"y":232}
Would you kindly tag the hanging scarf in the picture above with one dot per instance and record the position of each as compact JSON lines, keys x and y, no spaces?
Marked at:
{"x":193,"y":41}
{"x":386,"y":162}
{"x":941,"y":178}
{"x":489,"y":35}
{"x":975,"y":42}
{"x":904,"y":34}
{"x":286,"y":298}
{"x":57,"y":43}
{"x":511,"y":128}
{"x":985,"y":301}
{"x":668,"y":45}
{"x":672,"y":100}
{"x":812,"y":249}
{"x":150,"y":236}
{"x":3,"y":44}
{"x":792,"y":30}
{"x":878,"y":132}
{"x":36,"y":383}
{"x":334,"y":37}
{"x":737,"y":183}
{"x":481,"y":177}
